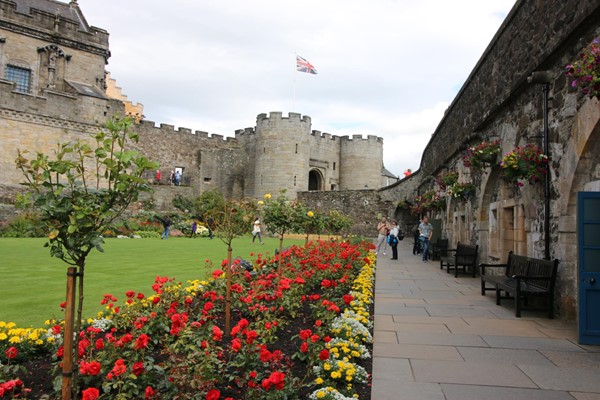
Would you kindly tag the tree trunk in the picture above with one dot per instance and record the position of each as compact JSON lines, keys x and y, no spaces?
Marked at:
{"x":68,"y":354}
{"x":228,"y":292}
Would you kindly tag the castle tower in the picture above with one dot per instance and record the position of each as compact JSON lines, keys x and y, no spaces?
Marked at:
{"x":361,"y":162}
{"x":281,"y":154}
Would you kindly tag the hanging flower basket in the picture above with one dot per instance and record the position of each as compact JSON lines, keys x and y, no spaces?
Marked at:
{"x":585,"y":71}
{"x":527,"y":163}
{"x":462,"y":191}
{"x":485,"y":153}
{"x":427,"y":202}
{"x":447,"y":179}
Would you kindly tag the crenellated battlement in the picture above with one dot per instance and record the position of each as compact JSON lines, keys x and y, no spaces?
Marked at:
{"x":359,"y":139}
{"x":150,"y":127}
{"x":276,"y":118}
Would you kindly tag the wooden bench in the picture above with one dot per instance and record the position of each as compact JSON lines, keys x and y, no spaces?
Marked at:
{"x":465,"y":257}
{"x":439,"y":249}
{"x":494,"y":273}
{"x":523,"y":278}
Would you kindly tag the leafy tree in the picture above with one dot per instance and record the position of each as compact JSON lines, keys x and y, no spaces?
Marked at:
{"x":207,"y":202}
{"x":279,"y":217}
{"x":80,"y":192}
{"x":308,"y":222}
{"x":337,"y":223}
{"x":231,"y":219}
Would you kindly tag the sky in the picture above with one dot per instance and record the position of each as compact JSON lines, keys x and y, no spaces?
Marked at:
{"x":388,"y":68}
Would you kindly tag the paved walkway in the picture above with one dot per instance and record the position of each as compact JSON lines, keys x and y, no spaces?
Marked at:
{"x":437,"y":338}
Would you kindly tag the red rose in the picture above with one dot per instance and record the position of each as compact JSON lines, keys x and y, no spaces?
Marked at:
{"x":11,"y":353}
{"x":141,"y":342}
{"x":149,"y":393}
{"x":213,"y":394}
{"x":120,"y":368}
{"x":90,"y":394}
{"x":236,"y":345}
{"x":91,"y":368}
{"x":138,"y":368}
{"x":324,"y":355}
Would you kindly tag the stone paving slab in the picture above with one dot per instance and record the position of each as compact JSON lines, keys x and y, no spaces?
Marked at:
{"x":503,"y":356}
{"x":470,"y":373}
{"x":573,"y":360}
{"x":417,"y":351}
{"x":473,"y":392}
{"x":585,"y":396}
{"x":571,"y":379}
{"x":517,"y":342}
{"x":394,"y":369}
{"x":440,"y":339}
{"x":384,"y":337}
{"x":389,"y":390}
{"x":499,"y":327}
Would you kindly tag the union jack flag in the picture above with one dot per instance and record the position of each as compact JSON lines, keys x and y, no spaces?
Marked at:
{"x":304,"y":66}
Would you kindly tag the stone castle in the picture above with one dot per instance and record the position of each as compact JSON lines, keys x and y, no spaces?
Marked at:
{"x":53,"y":87}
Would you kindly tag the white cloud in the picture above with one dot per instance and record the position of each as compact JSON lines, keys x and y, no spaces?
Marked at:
{"x":387,"y":67}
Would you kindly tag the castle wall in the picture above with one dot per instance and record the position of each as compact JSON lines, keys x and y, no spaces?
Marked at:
{"x":208,"y":162}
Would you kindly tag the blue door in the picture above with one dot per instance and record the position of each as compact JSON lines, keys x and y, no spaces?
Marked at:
{"x":588,"y":230}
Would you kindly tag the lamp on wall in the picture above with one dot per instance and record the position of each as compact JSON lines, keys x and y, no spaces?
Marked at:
{"x":544,"y":78}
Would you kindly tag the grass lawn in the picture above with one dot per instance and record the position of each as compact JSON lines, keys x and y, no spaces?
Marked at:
{"x":34,"y":284}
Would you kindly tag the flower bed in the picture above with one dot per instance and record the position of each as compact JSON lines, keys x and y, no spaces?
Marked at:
{"x":303,"y":333}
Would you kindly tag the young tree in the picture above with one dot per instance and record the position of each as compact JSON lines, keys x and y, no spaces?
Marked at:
{"x":79,"y":193}
{"x":231,"y":219}
{"x":279,"y":217}
{"x":308,"y":222}
{"x":337,"y":223}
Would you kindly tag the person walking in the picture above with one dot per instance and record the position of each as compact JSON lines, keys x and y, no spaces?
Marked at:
{"x":166,"y":221}
{"x":383,"y":228}
{"x":256,"y":231}
{"x":193,"y":229}
{"x":425,"y":233}
{"x":393,"y":239}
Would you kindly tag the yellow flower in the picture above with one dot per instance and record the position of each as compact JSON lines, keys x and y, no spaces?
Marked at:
{"x":260,"y":202}
{"x":15,"y":339}
{"x":53,"y":234}
{"x":326,"y":366}
{"x":321,"y":394}
{"x":319,"y":381}
{"x":310,"y":214}
{"x":267,"y":196}
{"x":3,"y":336}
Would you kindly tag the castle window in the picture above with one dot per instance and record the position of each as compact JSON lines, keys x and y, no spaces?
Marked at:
{"x":334,"y":165}
{"x":296,"y":148}
{"x":20,"y":76}
{"x":294,"y":180}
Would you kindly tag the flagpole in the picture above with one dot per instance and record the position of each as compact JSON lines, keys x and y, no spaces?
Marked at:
{"x":294,"y":84}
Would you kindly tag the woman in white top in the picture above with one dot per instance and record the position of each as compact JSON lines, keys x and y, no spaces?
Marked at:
{"x":256,"y":231}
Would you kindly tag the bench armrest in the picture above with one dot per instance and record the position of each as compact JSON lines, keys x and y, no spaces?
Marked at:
{"x":484,"y":266}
